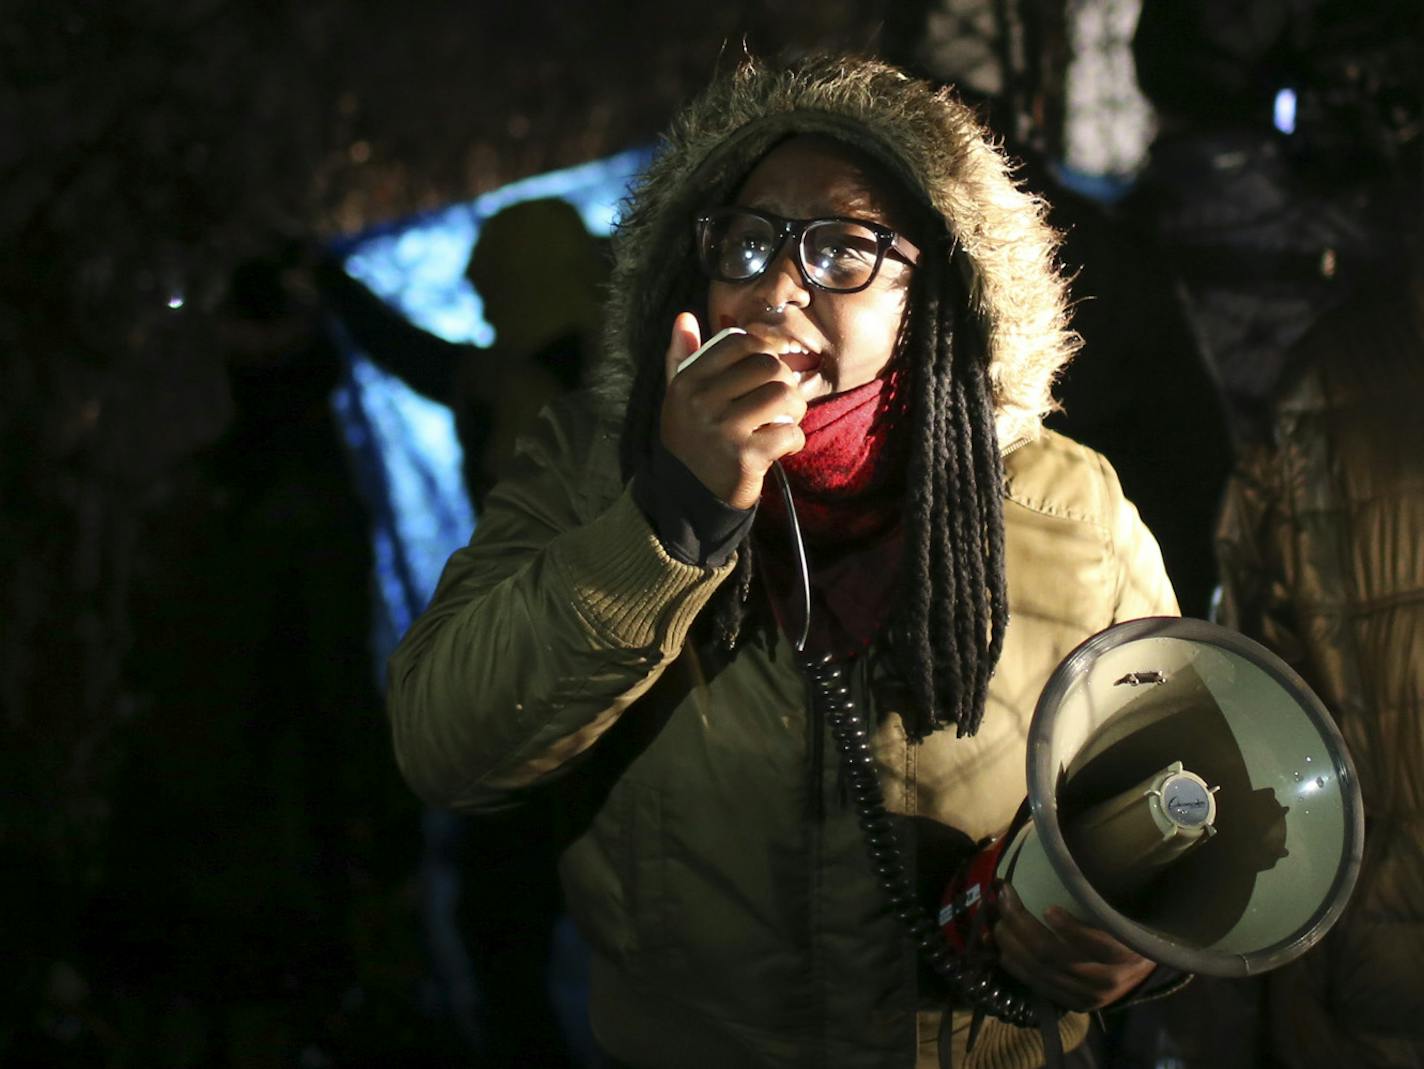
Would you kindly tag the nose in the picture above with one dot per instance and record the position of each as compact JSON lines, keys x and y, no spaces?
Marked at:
{"x":782,"y":283}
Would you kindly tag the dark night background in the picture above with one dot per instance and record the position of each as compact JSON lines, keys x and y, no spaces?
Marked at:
{"x":208,"y":855}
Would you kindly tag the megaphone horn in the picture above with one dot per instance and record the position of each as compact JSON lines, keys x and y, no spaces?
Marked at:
{"x":1188,"y":794}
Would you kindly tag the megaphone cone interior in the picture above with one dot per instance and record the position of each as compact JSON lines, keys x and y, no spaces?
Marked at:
{"x":1122,"y":844}
{"x":1248,"y":849}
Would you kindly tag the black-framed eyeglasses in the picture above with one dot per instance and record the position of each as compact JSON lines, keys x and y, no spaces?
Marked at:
{"x":839,"y":255}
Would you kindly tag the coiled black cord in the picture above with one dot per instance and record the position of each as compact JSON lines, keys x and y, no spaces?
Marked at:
{"x":973,"y":980}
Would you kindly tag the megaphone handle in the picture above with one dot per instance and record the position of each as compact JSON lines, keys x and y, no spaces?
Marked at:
{"x":974,"y":980}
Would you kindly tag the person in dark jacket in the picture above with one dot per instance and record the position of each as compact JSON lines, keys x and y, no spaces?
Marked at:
{"x":1322,"y":550}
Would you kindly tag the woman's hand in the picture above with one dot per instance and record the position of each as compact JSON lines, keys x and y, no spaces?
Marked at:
{"x":1075,"y":966}
{"x":731,"y":414}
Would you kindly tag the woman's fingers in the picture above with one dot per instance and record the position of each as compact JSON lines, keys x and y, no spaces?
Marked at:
{"x":1041,"y":967}
{"x":721,"y":389}
{"x":772,"y":402}
{"x":1089,"y":944}
{"x":773,"y":441}
{"x":686,"y":339}
{"x":728,"y":415}
{"x":1077,"y":966}
{"x":713,"y":356}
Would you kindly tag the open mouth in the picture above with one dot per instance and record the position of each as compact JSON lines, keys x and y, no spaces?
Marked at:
{"x":792,"y":353}
{"x":800,"y":361}
{"x":803,"y":362}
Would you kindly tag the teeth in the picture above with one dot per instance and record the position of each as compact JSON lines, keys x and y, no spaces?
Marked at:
{"x":788,"y":348}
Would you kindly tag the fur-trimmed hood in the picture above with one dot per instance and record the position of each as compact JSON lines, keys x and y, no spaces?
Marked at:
{"x":927,"y":138}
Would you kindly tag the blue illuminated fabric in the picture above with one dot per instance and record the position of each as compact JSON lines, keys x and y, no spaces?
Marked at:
{"x":405,"y":455}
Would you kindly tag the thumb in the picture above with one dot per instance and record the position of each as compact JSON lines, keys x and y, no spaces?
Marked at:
{"x":686,"y":339}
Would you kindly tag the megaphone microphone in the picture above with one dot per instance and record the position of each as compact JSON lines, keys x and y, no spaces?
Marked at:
{"x":1188,"y":794}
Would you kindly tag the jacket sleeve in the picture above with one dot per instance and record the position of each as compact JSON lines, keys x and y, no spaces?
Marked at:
{"x":558,"y":615}
{"x":1143,"y":587}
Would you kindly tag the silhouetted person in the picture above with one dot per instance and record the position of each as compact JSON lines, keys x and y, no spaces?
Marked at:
{"x":538,"y":272}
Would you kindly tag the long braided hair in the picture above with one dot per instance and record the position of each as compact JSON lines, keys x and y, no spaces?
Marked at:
{"x":949,"y":630}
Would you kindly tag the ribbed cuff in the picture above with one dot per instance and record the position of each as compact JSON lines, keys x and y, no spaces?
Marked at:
{"x":694,"y":524}
{"x":628,"y":587}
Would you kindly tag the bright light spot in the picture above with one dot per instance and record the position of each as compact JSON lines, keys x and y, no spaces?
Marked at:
{"x":1284,"y":111}
{"x":175,"y":301}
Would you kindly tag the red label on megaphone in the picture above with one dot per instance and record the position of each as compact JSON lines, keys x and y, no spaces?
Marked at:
{"x":967,"y":909}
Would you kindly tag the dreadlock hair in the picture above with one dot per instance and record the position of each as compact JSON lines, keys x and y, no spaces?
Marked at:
{"x":949,"y":631}
{"x":954,"y":596}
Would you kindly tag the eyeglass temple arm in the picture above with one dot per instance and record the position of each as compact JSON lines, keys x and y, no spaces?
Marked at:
{"x":906,"y":248}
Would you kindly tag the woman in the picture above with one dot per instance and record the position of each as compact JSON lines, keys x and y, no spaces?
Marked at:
{"x":613,"y":629}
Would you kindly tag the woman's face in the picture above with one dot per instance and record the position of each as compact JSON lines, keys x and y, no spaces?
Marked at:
{"x":833,"y":341}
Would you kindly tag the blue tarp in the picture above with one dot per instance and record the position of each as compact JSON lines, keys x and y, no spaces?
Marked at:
{"x":403,"y":447}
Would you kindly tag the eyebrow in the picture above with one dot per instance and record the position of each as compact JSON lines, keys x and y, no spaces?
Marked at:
{"x":860,"y":211}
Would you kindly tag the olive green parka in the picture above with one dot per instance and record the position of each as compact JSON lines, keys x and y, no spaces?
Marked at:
{"x":715,"y":869}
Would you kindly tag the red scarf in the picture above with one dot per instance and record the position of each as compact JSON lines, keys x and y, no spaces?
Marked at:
{"x":847,"y":484}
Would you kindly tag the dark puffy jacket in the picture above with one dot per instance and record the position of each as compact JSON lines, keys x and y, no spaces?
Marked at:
{"x":1322,"y":551}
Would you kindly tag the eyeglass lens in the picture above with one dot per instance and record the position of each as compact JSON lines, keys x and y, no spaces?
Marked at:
{"x":836,"y":255}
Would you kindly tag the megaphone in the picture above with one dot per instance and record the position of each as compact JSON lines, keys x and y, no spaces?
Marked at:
{"x":1187,"y":793}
